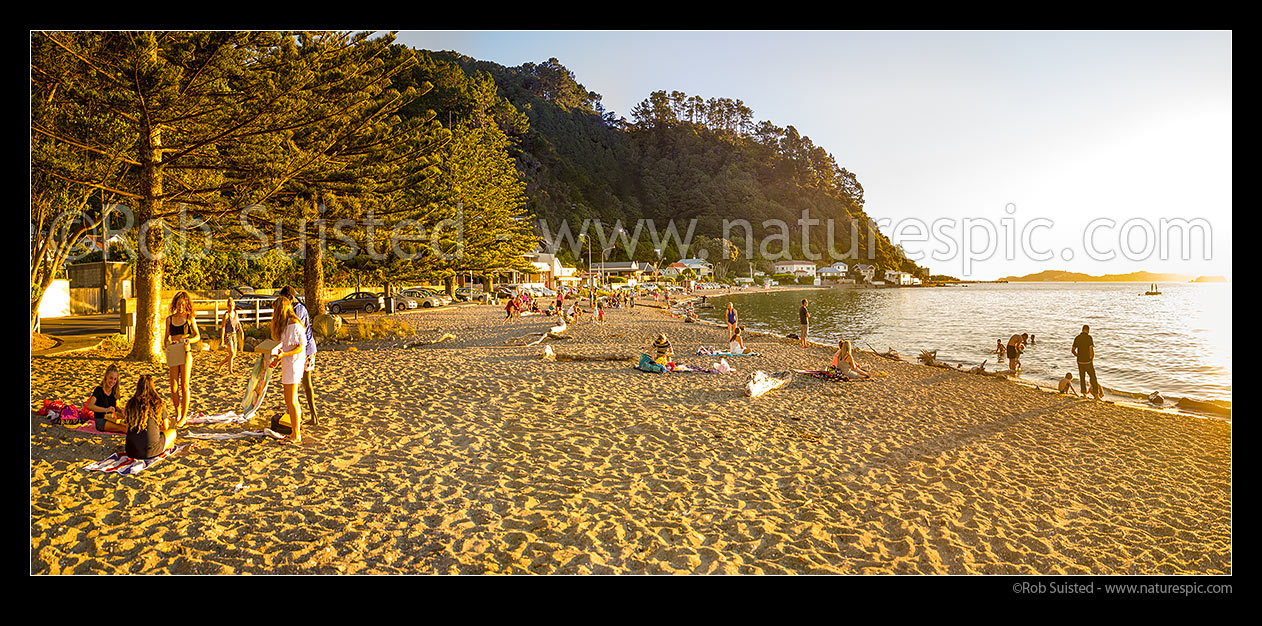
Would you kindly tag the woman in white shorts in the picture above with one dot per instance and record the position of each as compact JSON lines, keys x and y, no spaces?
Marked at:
{"x":291,"y":356}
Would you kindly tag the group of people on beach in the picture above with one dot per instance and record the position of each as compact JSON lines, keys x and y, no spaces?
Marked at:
{"x":151,"y":428}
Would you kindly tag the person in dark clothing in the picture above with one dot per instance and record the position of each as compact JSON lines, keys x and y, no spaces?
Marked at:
{"x":1084,"y":350}
{"x":149,"y":432}
{"x":104,"y":403}
{"x":804,"y":316}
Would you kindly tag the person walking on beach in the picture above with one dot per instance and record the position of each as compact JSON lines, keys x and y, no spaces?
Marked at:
{"x":1016,"y":344}
{"x":804,"y":316}
{"x":228,"y":336}
{"x":180,"y":332}
{"x":310,"y":350}
{"x":731,"y":320}
{"x":1084,"y":350}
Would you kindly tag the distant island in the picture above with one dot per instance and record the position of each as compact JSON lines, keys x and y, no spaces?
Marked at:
{"x":1060,"y":276}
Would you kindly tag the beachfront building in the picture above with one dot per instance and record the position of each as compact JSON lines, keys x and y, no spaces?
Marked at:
{"x":895,"y":277}
{"x":673,"y":270}
{"x":701,"y":267}
{"x":797,"y":268}
{"x":633,"y":271}
{"x":833,"y":274}
{"x":866,"y":272}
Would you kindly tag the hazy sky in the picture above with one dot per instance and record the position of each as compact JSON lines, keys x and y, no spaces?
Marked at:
{"x":1071,"y":127}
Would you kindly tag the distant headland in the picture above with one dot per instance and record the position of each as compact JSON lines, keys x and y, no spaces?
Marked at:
{"x":1061,"y":276}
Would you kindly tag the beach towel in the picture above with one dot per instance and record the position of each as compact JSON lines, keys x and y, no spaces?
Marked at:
{"x":648,"y":365}
{"x":256,"y":386}
{"x":120,"y":463}
{"x":89,"y":427}
{"x":245,"y":434}
{"x":230,"y":417}
{"x":706,"y":351}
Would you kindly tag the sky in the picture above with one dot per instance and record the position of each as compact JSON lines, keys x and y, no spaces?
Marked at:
{"x":982,"y":153}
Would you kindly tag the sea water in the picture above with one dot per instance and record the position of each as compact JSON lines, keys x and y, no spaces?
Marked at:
{"x":1177,"y":343}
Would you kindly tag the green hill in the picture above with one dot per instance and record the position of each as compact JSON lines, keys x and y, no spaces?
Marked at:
{"x":681,"y":158}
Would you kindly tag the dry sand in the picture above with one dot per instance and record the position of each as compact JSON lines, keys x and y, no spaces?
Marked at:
{"x":471,"y":456}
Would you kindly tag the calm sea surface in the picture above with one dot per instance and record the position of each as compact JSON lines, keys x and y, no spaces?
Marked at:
{"x":1178,"y":343}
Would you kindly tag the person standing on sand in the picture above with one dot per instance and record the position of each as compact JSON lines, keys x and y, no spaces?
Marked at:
{"x":804,"y":316}
{"x":290,"y":355}
{"x":1084,"y":350}
{"x":180,"y":333}
{"x":731,"y":320}
{"x":228,"y":336}
{"x":310,"y":349}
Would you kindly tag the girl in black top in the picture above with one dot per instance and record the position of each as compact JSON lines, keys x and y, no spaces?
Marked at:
{"x":181,"y":328}
{"x":104,"y":402}
{"x":149,"y":433}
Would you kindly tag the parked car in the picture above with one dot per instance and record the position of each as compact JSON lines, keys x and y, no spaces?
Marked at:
{"x":358,"y":301}
{"x":422,"y":293}
{"x":465,"y":294}
{"x":402,"y":302}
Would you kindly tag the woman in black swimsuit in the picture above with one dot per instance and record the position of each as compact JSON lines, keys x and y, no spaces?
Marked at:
{"x":181,"y":333}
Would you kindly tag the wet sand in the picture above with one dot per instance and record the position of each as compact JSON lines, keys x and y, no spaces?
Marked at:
{"x":472,"y":456}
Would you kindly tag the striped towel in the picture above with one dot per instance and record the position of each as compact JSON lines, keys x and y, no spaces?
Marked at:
{"x":122,"y":464}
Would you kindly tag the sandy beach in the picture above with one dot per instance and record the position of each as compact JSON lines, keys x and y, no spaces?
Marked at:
{"x":476,"y":457}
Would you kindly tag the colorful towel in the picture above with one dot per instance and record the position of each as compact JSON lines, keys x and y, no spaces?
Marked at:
{"x":256,"y":386}
{"x":89,"y":427}
{"x":706,"y":351}
{"x":122,"y":464}
{"x":230,"y":417}
{"x":245,"y":434}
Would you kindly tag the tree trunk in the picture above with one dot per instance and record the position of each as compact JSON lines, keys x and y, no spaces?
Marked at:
{"x":450,"y":284}
{"x":313,"y":278}
{"x":147,"y":346}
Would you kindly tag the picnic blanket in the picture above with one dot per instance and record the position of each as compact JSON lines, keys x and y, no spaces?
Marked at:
{"x":120,"y":463}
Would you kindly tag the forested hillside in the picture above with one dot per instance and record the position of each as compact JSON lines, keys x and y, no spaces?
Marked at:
{"x":679,"y":158}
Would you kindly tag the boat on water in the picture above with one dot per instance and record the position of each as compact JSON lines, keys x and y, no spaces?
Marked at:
{"x":1152,"y":290}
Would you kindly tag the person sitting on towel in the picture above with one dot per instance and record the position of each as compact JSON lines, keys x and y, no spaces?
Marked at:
{"x":662,"y":352}
{"x":737,"y":345}
{"x":844,"y":365}
{"x":149,"y":431}
{"x":104,"y":402}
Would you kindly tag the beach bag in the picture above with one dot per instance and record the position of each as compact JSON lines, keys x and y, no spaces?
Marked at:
{"x":281,"y":424}
{"x":50,"y":405}
{"x":70,"y":415}
{"x":648,"y":365}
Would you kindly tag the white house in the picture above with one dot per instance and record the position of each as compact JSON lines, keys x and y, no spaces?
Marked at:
{"x":831,"y":273}
{"x":700,"y":266}
{"x":866,"y":271}
{"x":895,"y":277}
{"x":797,"y":268}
